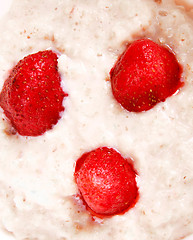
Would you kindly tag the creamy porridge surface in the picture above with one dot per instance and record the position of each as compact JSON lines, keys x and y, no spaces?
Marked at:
{"x":37,"y":188}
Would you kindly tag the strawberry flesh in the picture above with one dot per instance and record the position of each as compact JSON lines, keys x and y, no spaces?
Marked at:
{"x":32,"y":95}
{"x":144,"y":75}
{"x":106,"y":181}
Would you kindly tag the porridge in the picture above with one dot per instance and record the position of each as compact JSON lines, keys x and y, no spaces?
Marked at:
{"x":38,"y":193}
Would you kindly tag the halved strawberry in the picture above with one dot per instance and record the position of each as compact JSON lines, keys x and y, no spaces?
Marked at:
{"x":145,"y":74}
{"x":106,"y":181}
{"x":32,"y":95}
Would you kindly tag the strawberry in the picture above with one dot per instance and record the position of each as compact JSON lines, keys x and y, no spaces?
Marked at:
{"x":106,"y":181}
{"x":32,"y":96}
{"x":144,"y":75}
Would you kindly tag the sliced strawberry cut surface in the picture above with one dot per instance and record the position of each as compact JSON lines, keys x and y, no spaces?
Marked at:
{"x":32,"y":97}
{"x":106,"y":181}
{"x":144,"y":75}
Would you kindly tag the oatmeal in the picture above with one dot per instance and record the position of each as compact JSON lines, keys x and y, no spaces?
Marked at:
{"x":38,"y":194}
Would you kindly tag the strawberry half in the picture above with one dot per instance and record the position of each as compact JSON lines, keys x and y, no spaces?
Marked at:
{"x":32,"y":95}
{"x":145,"y":74}
{"x":106,"y":181}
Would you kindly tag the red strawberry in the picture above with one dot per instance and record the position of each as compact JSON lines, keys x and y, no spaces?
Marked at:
{"x":106,"y":181}
{"x":32,"y":96}
{"x":145,"y":74}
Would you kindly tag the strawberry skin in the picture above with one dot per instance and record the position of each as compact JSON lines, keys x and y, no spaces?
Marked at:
{"x":32,"y":95}
{"x":144,"y":75}
{"x":106,"y":181}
